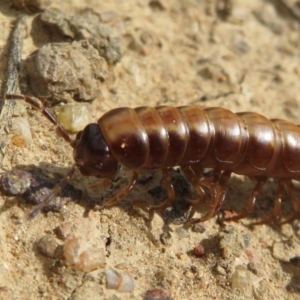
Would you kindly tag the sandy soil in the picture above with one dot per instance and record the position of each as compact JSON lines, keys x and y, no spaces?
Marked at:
{"x":174,"y":53}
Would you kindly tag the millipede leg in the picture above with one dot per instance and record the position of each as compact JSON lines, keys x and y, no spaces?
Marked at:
{"x":251,"y":202}
{"x":277,"y":205}
{"x":290,"y":188}
{"x":217,"y":191}
{"x":195,"y":180}
{"x":104,"y":183}
{"x":170,"y":189}
{"x":125,"y":192}
{"x":223,"y":187}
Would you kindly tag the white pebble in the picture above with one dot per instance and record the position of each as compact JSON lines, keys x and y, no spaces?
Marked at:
{"x":73,"y":117}
{"x":240,"y":278}
{"x":81,"y":256}
{"x":21,"y":127}
{"x":122,"y":282}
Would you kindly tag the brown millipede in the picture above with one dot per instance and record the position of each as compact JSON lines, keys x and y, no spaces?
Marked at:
{"x":193,"y":138}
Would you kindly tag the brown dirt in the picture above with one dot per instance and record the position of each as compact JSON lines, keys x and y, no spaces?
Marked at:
{"x":176,"y":53}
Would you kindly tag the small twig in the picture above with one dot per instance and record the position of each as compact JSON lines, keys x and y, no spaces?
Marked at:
{"x":11,"y":83}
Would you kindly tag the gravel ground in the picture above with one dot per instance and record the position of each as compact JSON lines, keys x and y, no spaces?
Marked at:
{"x":242,"y":55}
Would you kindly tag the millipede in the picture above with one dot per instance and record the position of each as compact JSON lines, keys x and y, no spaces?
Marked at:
{"x":193,"y":138}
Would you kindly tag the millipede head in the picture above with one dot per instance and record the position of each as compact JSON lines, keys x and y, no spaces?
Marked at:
{"x":91,"y":153}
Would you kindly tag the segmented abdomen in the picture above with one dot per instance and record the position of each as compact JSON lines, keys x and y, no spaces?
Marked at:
{"x":246,"y":143}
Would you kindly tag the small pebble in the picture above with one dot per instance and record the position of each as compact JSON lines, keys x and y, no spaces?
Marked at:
{"x":199,"y":227}
{"x":16,"y":182}
{"x":22,"y":132}
{"x":64,"y":230}
{"x":240,"y":278}
{"x":182,"y":233}
{"x":64,"y":72}
{"x":81,"y":256}
{"x":47,"y":246}
{"x":252,"y":267}
{"x":199,"y":250}
{"x":220,"y":270}
{"x":157,"y":294}
{"x":122,"y":282}
{"x":73,"y":117}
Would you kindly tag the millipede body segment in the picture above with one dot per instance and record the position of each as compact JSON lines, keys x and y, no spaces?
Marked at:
{"x":193,"y":138}
{"x":163,"y":137}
